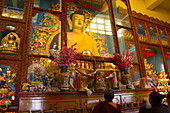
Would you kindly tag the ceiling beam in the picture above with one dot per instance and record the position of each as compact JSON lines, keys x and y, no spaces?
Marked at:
{"x":151,"y":4}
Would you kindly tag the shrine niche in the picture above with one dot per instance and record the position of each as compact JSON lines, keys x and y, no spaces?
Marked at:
{"x":54,"y":5}
{"x":141,"y":33}
{"x":13,"y":9}
{"x":167,"y":56}
{"x":126,"y":42}
{"x":162,"y":36}
{"x":96,"y":37}
{"x":7,"y":83}
{"x":43,"y":33}
{"x":153,"y":36}
{"x":121,"y":13}
{"x":10,"y":41}
{"x":42,"y":76}
{"x":102,"y":38}
{"x":153,"y":57}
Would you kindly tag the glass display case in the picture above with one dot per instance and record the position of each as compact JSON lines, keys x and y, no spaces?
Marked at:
{"x":153,"y":35}
{"x":13,"y":9}
{"x":141,"y":33}
{"x":121,"y":13}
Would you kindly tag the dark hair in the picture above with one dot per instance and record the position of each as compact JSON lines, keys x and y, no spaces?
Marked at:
{"x":76,"y":12}
{"x":109,"y":95}
{"x":156,"y":97}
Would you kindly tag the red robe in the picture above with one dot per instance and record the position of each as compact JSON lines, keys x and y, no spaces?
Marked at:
{"x":107,"y":107}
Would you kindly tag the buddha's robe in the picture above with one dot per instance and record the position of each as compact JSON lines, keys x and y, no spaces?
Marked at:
{"x":84,"y":42}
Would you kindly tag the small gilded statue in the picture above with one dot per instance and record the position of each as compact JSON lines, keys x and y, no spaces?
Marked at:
{"x":10,"y":42}
{"x":9,"y":77}
{"x":7,"y":83}
{"x":100,"y":82}
{"x":36,"y":73}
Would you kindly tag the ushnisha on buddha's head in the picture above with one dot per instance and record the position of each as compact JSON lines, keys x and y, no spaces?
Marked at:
{"x":77,"y":19}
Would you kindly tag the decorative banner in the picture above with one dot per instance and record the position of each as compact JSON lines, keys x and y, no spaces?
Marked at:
{"x":78,"y":82}
{"x":112,"y":80}
{"x":95,"y":4}
{"x":148,"y":52}
{"x":90,"y":76}
{"x":167,"y":55}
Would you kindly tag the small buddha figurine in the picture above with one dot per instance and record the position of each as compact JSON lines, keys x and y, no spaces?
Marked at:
{"x":81,"y":88}
{"x":100,"y":82}
{"x":11,"y":42}
{"x":37,"y":76}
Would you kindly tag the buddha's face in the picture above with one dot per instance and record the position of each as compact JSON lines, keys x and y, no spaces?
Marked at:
{"x":78,"y":21}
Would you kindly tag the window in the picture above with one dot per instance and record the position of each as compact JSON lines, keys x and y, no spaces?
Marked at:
{"x":100,"y":24}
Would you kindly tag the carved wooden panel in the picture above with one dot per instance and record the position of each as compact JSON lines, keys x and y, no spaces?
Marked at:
{"x":168,"y":101}
{"x":90,"y":102}
{"x":117,"y":99}
{"x":137,"y":22}
{"x":155,"y":21}
{"x":158,"y":48}
{"x":168,"y":36}
{"x":128,"y":98}
{"x":1,"y":5}
{"x":49,"y":104}
{"x":77,"y":100}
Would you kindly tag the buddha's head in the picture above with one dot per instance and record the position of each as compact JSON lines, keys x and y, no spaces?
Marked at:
{"x":77,"y":19}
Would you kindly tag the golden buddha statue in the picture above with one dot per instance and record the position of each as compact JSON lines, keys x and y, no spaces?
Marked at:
{"x":10,"y":43}
{"x":84,"y":42}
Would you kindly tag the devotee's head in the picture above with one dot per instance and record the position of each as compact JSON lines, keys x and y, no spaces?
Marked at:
{"x":77,"y":19}
{"x":109,"y":95}
{"x":155,"y":98}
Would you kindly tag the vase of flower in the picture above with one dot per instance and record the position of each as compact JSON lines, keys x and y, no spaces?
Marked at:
{"x":63,"y":69}
{"x":64,"y":58}
{"x":125,"y":78}
{"x":64,"y":77}
{"x":123,"y":63}
{"x":124,"y":72}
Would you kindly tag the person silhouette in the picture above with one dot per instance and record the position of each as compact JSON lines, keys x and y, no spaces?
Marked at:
{"x":107,"y":106}
{"x":155,"y":100}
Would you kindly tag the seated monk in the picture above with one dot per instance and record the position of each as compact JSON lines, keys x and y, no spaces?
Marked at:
{"x":84,"y":42}
{"x":107,"y":106}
